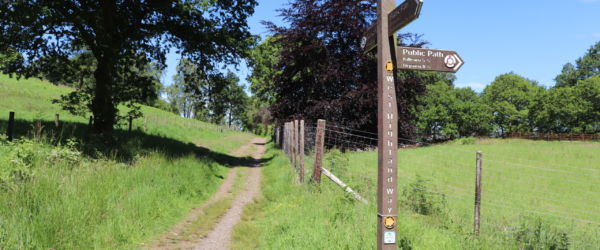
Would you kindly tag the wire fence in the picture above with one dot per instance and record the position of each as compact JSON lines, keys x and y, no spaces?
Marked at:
{"x":515,"y":186}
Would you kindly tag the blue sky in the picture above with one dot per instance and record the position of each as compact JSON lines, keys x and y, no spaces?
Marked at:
{"x":533,"y":38}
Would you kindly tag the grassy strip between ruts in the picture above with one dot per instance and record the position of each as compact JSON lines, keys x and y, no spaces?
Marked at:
{"x":293,"y":216}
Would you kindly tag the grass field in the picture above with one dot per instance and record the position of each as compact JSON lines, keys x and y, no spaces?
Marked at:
{"x":536,"y":195}
{"x":66,"y":190}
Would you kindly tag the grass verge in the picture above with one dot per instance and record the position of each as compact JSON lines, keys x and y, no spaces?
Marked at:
{"x":63,"y":189}
{"x":435,"y":200}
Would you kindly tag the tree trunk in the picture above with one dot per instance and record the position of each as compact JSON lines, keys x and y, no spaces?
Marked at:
{"x":229,"y":115}
{"x":103,"y":106}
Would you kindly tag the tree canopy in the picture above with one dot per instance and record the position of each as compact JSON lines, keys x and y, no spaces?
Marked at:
{"x":584,"y":68}
{"x":509,"y":97}
{"x":123,"y":37}
{"x":322,"y":71}
{"x":263,"y":60}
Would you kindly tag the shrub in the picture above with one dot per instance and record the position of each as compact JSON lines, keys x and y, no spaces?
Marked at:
{"x":336,"y":162}
{"x":420,"y":200}
{"x":464,"y":141}
{"x":533,"y":233}
{"x":16,"y":163}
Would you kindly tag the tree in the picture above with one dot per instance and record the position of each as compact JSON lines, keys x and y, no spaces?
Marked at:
{"x":559,"y":110}
{"x":509,"y":97}
{"x":569,"y":109}
{"x":472,"y":115}
{"x":323,"y":72}
{"x":263,"y":60}
{"x":590,"y":92}
{"x":445,"y":112}
{"x":178,"y":93}
{"x":586,"y":67}
{"x":123,"y":37}
{"x":236,"y":101}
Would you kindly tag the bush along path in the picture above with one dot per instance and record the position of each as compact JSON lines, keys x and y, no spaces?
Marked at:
{"x":210,"y":226}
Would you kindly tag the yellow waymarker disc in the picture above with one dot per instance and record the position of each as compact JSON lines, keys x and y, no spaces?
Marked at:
{"x":389,"y":222}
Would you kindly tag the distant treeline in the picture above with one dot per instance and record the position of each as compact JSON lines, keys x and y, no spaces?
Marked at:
{"x":512,"y":103}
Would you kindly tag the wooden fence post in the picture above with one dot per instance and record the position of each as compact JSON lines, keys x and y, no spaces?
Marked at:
{"x":90,"y":124}
{"x":277,"y":136}
{"x":56,"y":120}
{"x":285,"y":134}
{"x":11,"y":126}
{"x":301,"y":153}
{"x":295,"y":143}
{"x":319,"y":145}
{"x":130,"y":123}
{"x":478,"y":168}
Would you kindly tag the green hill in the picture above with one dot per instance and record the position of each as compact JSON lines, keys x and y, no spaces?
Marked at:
{"x":64,"y":189}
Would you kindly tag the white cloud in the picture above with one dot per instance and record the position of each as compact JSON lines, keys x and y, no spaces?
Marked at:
{"x":477,"y":86}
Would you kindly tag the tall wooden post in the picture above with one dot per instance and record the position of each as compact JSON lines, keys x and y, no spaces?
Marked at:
{"x":319,"y":145}
{"x":11,"y":126}
{"x":478,"y":168}
{"x":56,"y":120}
{"x":301,"y":152}
{"x":387,"y":123}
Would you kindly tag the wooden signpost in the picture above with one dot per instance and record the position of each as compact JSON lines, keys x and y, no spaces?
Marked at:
{"x":389,"y":59}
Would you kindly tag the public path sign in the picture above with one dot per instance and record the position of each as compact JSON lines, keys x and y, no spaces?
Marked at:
{"x":428,"y":59}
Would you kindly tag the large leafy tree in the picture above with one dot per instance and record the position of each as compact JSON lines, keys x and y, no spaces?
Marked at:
{"x":584,"y":68}
{"x":445,"y":112}
{"x":124,"y":36}
{"x":323,"y":72}
{"x":509,"y":97}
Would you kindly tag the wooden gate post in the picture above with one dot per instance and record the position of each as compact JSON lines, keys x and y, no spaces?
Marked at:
{"x":319,"y":145}
{"x":11,"y":126}
{"x":478,"y":168}
{"x":301,"y":151}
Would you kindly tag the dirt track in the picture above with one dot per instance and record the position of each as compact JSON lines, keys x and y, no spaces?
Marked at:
{"x":219,"y":237}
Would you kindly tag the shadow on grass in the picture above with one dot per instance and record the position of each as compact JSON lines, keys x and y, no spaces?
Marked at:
{"x":122,"y":145}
